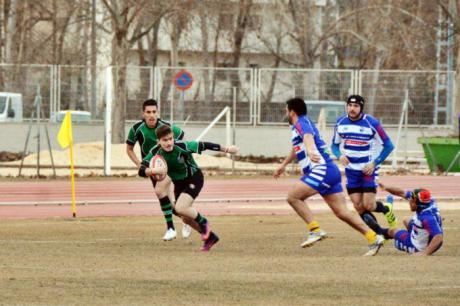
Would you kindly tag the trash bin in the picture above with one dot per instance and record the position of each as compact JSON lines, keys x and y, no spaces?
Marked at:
{"x":440,"y":152}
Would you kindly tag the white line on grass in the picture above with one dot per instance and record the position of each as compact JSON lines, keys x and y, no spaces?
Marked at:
{"x":73,"y":241}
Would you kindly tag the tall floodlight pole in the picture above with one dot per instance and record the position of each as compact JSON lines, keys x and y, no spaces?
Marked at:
{"x":455,"y":106}
{"x":93,"y":60}
{"x":444,"y":79}
{"x":318,"y":32}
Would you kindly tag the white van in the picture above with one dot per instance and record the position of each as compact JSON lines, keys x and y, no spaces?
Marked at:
{"x":10,"y":106}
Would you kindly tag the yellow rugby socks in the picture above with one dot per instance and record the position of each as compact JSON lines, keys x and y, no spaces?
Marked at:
{"x":313,"y":226}
{"x":371,"y":236}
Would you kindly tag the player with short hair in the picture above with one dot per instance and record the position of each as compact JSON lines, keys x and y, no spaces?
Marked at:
{"x":361,"y":134}
{"x":187,"y":177}
{"x":423,"y":234}
{"x":143,"y":132}
{"x":320,"y":175}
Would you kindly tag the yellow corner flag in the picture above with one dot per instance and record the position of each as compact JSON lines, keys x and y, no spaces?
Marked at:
{"x":65,"y":132}
{"x":65,"y":140}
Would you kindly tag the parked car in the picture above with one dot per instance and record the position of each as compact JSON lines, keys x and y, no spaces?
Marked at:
{"x":10,"y":106}
{"x":77,"y":116}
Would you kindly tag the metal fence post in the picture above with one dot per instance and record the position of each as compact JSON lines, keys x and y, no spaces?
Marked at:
{"x":108,"y":120}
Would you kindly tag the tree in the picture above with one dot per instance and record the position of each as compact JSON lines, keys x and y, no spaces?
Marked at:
{"x":124,"y":16}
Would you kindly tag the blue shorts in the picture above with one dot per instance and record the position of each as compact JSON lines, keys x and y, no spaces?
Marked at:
{"x":403,"y":242}
{"x":325,"y":179}
{"x":356,"y":179}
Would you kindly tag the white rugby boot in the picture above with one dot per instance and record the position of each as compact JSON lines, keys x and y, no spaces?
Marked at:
{"x":375,"y":247}
{"x":170,"y":234}
{"x":313,"y":237}
{"x":186,"y":230}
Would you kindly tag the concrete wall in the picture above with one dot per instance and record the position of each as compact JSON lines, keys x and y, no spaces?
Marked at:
{"x":260,"y":140}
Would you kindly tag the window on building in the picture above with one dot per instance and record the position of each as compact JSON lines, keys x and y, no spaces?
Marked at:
{"x":254,"y":22}
{"x":227,"y":21}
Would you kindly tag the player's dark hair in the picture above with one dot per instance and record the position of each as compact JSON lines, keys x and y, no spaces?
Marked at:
{"x":162,"y":131}
{"x":297,"y":105}
{"x":149,"y":102}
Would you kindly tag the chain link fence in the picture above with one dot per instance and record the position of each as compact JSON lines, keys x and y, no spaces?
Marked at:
{"x":430,"y":95}
{"x":139,"y":87}
{"x":28,"y":80}
{"x":258,"y":93}
{"x":276,"y":86}
{"x":76,"y":89}
{"x":206,"y":91}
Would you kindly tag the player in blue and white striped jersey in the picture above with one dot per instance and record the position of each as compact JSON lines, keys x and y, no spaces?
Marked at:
{"x":423,"y":233}
{"x":361,"y":136}
{"x":320,"y":175}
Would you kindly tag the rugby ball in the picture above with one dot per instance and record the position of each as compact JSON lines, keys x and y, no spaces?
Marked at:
{"x":158,"y":162}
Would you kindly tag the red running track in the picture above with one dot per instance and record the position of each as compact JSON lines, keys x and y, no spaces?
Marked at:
{"x":265,"y":195}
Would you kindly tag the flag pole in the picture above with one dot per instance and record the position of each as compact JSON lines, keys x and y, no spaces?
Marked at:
{"x":65,"y":139}
{"x":72,"y":178}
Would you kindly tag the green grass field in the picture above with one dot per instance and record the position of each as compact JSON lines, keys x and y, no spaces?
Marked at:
{"x":123,"y":261}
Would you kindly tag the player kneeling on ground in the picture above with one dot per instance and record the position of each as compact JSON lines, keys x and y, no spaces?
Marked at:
{"x":423,"y":234}
{"x":188,"y":179}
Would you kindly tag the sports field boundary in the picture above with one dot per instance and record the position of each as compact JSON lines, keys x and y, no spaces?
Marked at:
{"x":211,"y":200}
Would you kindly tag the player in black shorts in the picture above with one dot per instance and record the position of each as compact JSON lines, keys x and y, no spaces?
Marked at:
{"x":143,"y":132}
{"x":188,"y":179}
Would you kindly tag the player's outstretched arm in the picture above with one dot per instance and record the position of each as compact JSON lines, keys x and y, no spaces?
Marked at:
{"x":393,"y":190}
{"x":217,"y":147}
{"x":432,"y":246}
{"x":230,"y":149}
{"x":280,"y":169}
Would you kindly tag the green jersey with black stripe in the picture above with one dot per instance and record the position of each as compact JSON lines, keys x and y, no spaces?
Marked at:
{"x":181,"y":164}
{"x":140,"y":132}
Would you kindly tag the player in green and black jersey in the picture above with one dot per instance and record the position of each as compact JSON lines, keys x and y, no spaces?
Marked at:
{"x":143,"y":132}
{"x":187,"y":177}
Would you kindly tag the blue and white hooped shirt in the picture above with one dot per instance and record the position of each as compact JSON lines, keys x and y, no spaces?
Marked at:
{"x":424,"y":225}
{"x":305,"y":126}
{"x":362,"y":139}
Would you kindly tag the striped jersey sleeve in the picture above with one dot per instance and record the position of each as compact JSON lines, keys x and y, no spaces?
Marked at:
{"x":132,"y":134}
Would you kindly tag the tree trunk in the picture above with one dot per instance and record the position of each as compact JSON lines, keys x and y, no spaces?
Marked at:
{"x":10,"y":32}
{"x":380,"y":57}
{"x":119,"y":107}
{"x":205,"y":54}
{"x":153,"y":44}
{"x":176,"y":33}
{"x":215,"y":56}
{"x":271,"y":88}
{"x":54,"y":34}
{"x":238,"y":38}
{"x":315,"y":78}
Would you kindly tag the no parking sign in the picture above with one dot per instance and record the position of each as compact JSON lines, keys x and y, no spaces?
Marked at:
{"x":183,"y":80}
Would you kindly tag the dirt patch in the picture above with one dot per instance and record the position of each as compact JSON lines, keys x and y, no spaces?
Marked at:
{"x":10,"y":156}
{"x":256,"y":159}
{"x":89,"y":161}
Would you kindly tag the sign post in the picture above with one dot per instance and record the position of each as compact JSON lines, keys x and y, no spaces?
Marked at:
{"x":183,"y":80}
